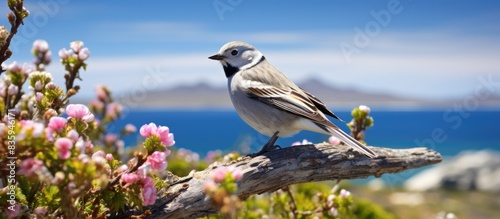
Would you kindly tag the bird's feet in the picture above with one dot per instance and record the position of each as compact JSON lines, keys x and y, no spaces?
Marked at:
{"x":269,"y":146}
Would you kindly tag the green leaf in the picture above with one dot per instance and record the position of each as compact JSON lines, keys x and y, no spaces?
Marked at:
{"x":368,"y":121}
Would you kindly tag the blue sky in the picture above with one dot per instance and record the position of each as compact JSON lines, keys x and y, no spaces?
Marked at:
{"x":425,"y":49}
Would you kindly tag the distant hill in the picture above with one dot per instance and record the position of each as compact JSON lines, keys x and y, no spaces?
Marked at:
{"x":203,"y":95}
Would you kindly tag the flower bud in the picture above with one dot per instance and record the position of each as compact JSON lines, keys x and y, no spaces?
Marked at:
{"x":40,"y":46}
{"x":14,"y":67}
{"x":38,"y":96}
{"x":73,"y":135}
{"x":76,"y":46}
{"x":364,"y":108}
{"x":129,"y":128}
{"x":334,"y":140}
{"x":50,"y":86}
{"x":47,"y":58}
{"x":4,"y":33}
{"x":13,"y":90}
{"x":12,"y":18}
{"x":38,"y":86}
{"x":71,"y":92}
{"x":63,"y":53}
{"x":26,"y":69}
{"x":84,"y":54}
{"x":109,"y":157}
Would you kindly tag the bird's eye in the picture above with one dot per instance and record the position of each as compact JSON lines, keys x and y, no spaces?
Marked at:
{"x":234,"y":52}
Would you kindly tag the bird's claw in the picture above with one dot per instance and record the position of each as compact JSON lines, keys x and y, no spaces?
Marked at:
{"x":269,"y":146}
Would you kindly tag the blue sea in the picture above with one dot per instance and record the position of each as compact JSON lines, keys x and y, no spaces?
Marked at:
{"x":205,"y":130}
{"x":447,"y":132}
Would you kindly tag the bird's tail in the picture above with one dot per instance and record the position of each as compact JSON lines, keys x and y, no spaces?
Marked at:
{"x":355,"y":144}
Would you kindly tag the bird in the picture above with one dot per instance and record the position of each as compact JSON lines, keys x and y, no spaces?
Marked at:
{"x":271,"y":103}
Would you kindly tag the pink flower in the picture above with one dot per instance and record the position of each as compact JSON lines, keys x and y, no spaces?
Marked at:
{"x":157,"y":160}
{"x":236,"y":173}
{"x":129,"y":178}
{"x":73,"y":135}
{"x":80,"y":144}
{"x":162,"y":132}
{"x":122,"y":168}
{"x":63,"y":53}
{"x":129,"y":128}
{"x":209,"y":186}
{"x":84,"y":54}
{"x":38,"y":96}
{"x":57,"y":123}
{"x":38,"y":86}
{"x":27,"y":69}
{"x":109,"y":157}
{"x":142,"y":171}
{"x":304,"y":142}
{"x":148,"y":182}
{"x":148,"y":194}
{"x":148,"y":130}
{"x":334,"y":140}
{"x":30,"y":166}
{"x":64,"y":145}
{"x":38,"y":130}
{"x":79,"y":111}
{"x":166,"y":138}
{"x":41,"y":211}
{"x":102,"y":92}
{"x":13,"y":212}
{"x":47,"y":58}
{"x":12,"y":89}
{"x":13,"y":67}
{"x":330,"y":199}
{"x":76,"y":46}
{"x":212,"y":155}
{"x":344,"y":193}
{"x":98,"y":154}
{"x":222,"y":172}
{"x":40,"y":46}
{"x":334,"y":211}
{"x":49,"y":134}
{"x":96,"y":105}
{"x":3,"y":130}
{"x":110,"y":138}
{"x":219,"y":174}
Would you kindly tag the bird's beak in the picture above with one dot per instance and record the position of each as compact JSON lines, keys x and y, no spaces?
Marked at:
{"x":217,"y":57}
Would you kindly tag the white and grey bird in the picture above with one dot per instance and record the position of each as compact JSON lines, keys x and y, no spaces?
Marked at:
{"x":272,"y":104}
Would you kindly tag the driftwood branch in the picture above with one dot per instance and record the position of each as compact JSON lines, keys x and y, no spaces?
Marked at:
{"x":274,"y":170}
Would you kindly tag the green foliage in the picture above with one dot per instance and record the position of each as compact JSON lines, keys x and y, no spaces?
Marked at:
{"x":311,"y":200}
{"x":153,"y":144}
{"x":366,"y":209}
{"x":360,"y":122}
{"x":181,"y":163}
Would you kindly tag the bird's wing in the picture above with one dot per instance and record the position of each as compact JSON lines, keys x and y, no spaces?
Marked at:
{"x":287,"y":99}
{"x":320,"y":105}
{"x":303,"y":104}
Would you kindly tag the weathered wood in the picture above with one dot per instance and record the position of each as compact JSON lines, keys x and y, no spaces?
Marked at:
{"x":274,"y":170}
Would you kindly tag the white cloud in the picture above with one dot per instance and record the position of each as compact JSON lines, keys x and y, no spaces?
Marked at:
{"x":421,"y":63}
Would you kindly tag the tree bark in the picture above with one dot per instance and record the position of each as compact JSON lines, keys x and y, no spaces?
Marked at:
{"x":292,"y":165}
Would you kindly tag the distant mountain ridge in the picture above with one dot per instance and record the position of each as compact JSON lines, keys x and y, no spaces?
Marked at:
{"x":203,"y":95}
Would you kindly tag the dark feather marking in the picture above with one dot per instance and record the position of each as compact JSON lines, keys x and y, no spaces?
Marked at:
{"x":230,"y":70}
{"x":321,"y":106}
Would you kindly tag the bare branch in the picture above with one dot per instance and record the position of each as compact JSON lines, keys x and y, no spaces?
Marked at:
{"x":274,"y":170}
{"x":16,"y":19}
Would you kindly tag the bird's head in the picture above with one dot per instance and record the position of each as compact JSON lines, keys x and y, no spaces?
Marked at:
{"x":237,"y":55}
